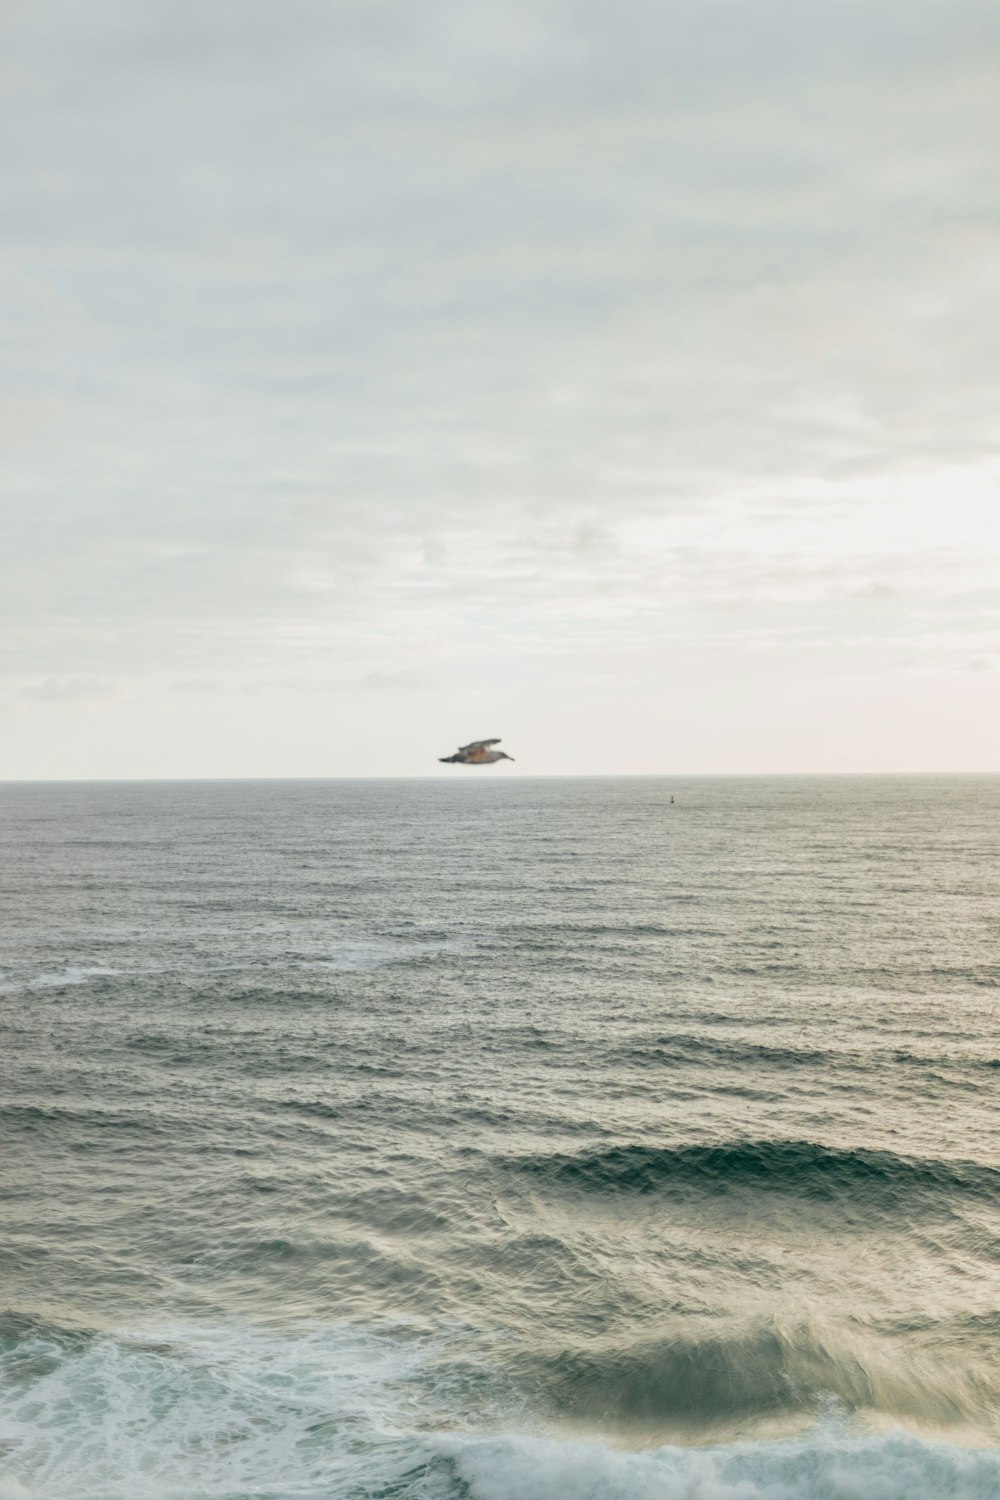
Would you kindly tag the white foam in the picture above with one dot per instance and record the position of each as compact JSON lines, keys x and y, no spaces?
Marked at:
{"x":356,"y":955}
{"x":200,"y":1414}
{"x":224,"y":1414}
{"x":825,"y":1465}
{"x":369,"y":953}
{"x":73,"y":974}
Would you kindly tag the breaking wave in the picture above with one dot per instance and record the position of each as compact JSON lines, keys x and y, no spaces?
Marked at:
{"x":228,"y":1413}
{"x":760,"y":1371}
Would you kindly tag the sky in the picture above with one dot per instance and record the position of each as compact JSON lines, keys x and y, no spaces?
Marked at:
{"x":621,"y":380}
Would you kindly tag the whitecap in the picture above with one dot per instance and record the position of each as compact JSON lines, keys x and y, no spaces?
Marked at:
{"x":57,"y":979}
{"x":826,"y":1464}
{"x":226,"y":1413}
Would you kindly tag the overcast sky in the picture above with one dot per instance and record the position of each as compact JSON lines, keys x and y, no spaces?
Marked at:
{"x":621,"y":379}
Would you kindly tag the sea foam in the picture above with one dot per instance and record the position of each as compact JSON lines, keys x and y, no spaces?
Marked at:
{"x":228,"y":1413}
{"x":825,"y":1465}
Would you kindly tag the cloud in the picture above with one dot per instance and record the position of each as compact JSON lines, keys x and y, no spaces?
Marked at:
{"x":75,"y":692}
{"x":873,"y":588}
{"x":407,"y":681}
{"x":342,"y":336}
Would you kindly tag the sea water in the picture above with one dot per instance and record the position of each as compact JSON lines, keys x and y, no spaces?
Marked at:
{"x":496,"y":1139}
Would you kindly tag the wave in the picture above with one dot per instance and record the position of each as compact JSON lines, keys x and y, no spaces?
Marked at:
{"x":185,"y":1413}
{"x":57,"y":980}
{"x":829,"y":1464}
{"x":710,"y":1051}
{"x":345,"y":956}
{"x":688,"y":1048}
{"x":31,"y":1118}
{"x":762,"y":1371}
{"x":804,"y":1168}
{"x":947,"y":1060}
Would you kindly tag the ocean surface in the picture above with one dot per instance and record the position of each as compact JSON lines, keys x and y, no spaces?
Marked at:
{"x":485,"y":1138}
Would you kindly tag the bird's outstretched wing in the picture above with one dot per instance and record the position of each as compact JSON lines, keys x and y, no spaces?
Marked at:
{"x":477,"y":745}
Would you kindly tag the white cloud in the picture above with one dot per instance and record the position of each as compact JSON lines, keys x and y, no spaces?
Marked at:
{"x":349,"y":344}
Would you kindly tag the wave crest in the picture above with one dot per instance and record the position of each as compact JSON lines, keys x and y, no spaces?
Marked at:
{"x":760,"y":1372}
{"x":805,"y":1168}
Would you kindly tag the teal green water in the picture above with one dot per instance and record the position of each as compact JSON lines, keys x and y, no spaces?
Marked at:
{"x":504,"y":1140}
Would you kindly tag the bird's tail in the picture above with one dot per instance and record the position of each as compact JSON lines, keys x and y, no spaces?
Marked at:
{"x":449,"y":760}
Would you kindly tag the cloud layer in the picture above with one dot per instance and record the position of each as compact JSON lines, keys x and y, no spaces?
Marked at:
{"x":550,"y":362}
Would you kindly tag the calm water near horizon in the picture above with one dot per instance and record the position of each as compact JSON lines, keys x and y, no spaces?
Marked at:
{"x":501,"y":1139}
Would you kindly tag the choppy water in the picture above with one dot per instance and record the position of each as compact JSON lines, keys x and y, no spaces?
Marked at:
{"x":501,"y":1140}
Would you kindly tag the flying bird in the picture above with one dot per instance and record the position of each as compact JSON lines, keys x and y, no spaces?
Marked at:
{"x":476,"y":754}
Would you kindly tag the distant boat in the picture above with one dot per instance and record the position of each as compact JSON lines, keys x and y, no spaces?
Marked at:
{"x":478,"y":753}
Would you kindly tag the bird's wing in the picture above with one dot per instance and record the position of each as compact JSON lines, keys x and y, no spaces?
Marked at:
{"x":477,"y":745}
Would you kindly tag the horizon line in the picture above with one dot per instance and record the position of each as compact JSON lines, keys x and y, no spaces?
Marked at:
{"x":521,"y":776}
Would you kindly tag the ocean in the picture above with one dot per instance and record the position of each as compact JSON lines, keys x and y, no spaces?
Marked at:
{"x":483,"y":1138}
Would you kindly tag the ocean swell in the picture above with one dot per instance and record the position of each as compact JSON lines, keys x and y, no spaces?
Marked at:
{"x":804,"y":1168}
{"x":682,"y":1384}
